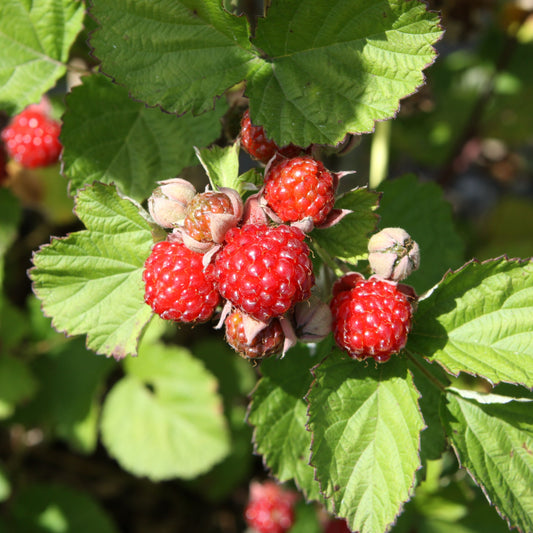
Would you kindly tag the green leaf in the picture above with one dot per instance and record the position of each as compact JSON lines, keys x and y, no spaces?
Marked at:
{"x":10,"y":215}
{"x":432,"y":439}
{"x":90,"y":282}
{"x":164,"y":418}
{"x":5,"y":485}
{"x":195,"y":52}
{"x":55,"y":508}
{"x":479,"y":320}
{"x":306,"y":519}
{"x":331,"y":68}
{"x":278,"y":413}
{"x":348,"y":240}
{"x":493,"y":438}
{"x":221,"y":165}
{"x":69,"y":371}
{"x":366,"y":427}
{"x":16,"y":384}
{"x":35,"y":39}
{"x":143,"y":146}
{"x":422,"y":211}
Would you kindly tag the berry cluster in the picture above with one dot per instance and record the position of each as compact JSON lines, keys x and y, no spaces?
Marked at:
{"x":250,"y":260}
{"x":32,"y":137}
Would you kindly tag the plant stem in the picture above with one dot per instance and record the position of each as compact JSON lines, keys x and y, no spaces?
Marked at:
{"x":379,"y":154}
{"x":426,"y":373}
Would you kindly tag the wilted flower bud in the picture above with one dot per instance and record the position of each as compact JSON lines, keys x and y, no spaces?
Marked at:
{"x":168,"y":202}
{"x":393,"y":255}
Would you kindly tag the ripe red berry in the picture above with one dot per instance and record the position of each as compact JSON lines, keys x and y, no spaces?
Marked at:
{"x":270,"y":509}
{"x":298,"y":188}
{"x":176,"y":285}
{"x":254,"y":141}
{"x":32,"y":138}
{"x":267,"y":342}
{"x":372,"y":319}
{"x":264,"y":270}
{"x":199,"y":209}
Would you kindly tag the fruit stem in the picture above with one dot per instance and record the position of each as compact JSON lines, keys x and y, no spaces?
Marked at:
{"x":379,"y":154}
{"x":424,"y":371}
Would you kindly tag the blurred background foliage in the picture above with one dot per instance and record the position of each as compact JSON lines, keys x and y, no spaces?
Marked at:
{"x":469,"y":131}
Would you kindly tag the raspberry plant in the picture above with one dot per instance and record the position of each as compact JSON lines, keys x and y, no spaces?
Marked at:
{"x":162,"y":89}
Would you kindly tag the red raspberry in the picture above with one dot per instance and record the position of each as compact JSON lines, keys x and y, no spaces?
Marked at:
{"x":254,"y":141}
{"x":270,"y":509}
{"x":196,"y":222}
{"x":176,"y":285}
{"x":32,"y":138}
{"x":298,"y":188}
{"x":264,"y":270}
{"x":372,"y":319}
{"x":267,"y":342}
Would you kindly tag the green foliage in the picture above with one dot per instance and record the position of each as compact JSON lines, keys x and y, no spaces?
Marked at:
{"x":359,"y":440}
{"x":143,"y":146}
{"x":479,"y":320}
{"x":35,"y":39}
{"x":163,"y":419}
{"x":358,"y":58}
{"x":485,"y":427}
{"x":90,"y":282}
{"x":422,"y":211}
{"x":366,"y":427}
{"x":50,"y":508}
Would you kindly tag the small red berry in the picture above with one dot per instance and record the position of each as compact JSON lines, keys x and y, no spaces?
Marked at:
{"x":32,"y":138}
{"x":371,"y":319}
{"x":270,"y":509}
{"x":268,"y":341}
{"x":197,"y":217}
{"x":254,"y":141}
{"x":298,"y":188}
{"x":177,"y":287}
{"x":264,"y":271}
{"x":3,"y":163}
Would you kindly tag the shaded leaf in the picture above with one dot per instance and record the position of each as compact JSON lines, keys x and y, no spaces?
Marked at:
{"x":493,"y":438}
{"x":16,"y":384}
{"x":356,"y":58}
{"x":195,"y":52}
{"x":422,"y":211}
{"x":143,"y":146}
{"x":348,"y":239}
{"x":50,"y":508}
{"x":278,"y":413}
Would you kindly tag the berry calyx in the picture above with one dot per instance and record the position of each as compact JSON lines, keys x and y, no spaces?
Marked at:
{"x":370,"y":319}
{"x":270,"y":509}
{"x":199,"y":210}
{"x":32,"y":138}
{"x":264,"y":342}
{"x":177,"y":287}
{"x":255,"y":142}
{"x":264,"y":271}
{"x":299,"y":188}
